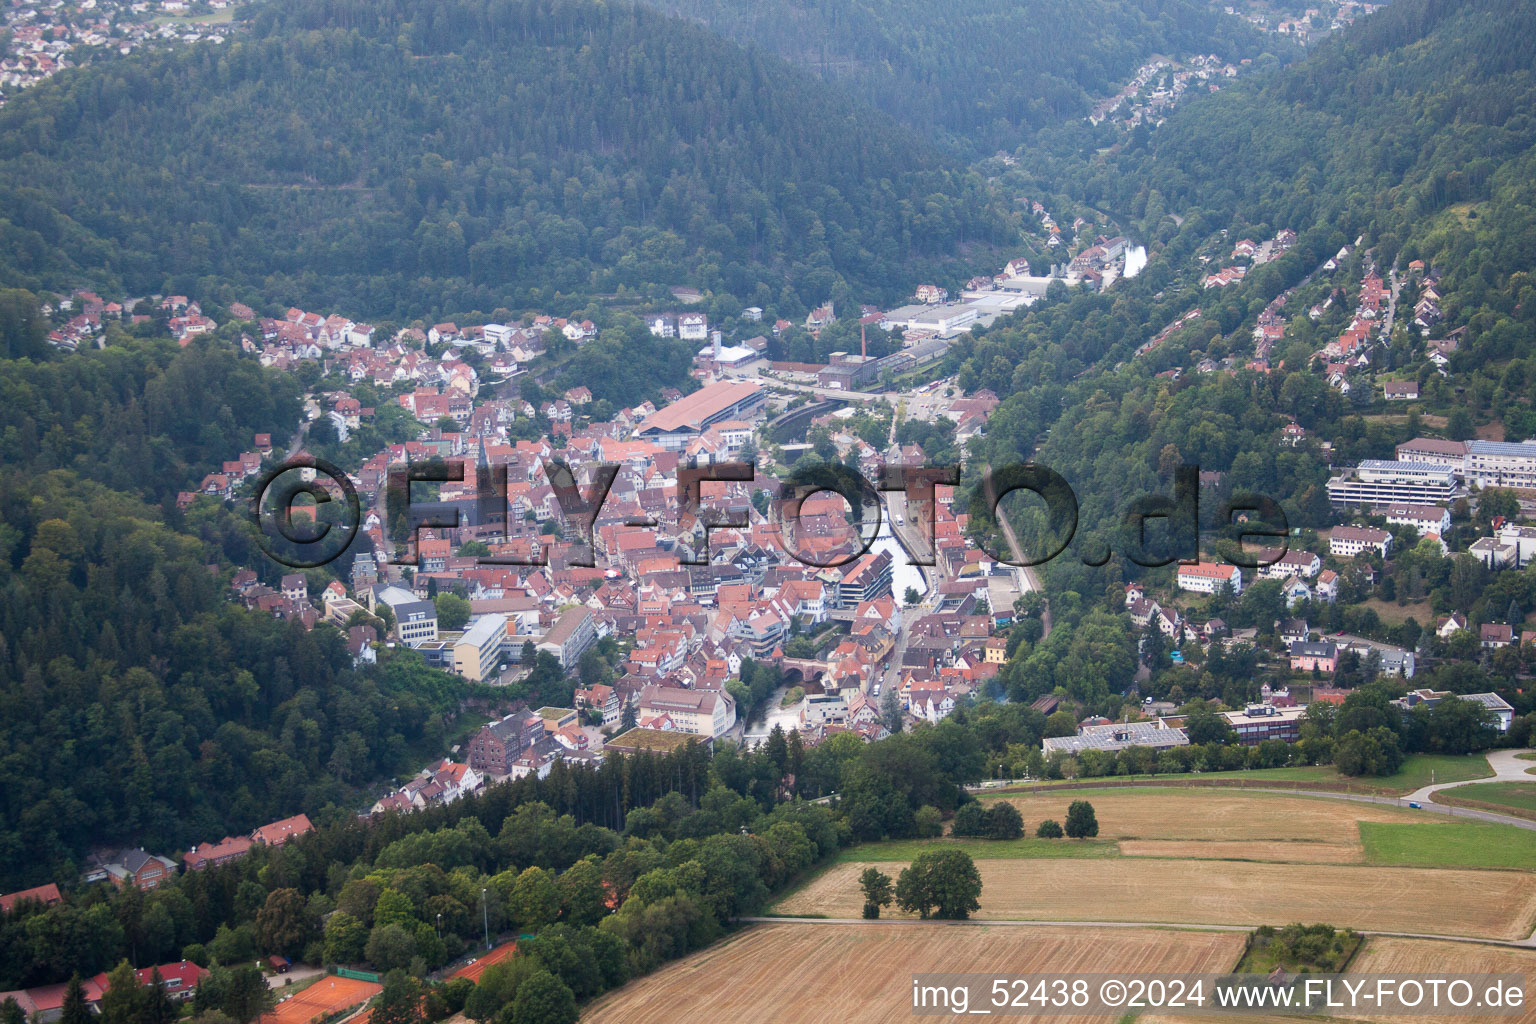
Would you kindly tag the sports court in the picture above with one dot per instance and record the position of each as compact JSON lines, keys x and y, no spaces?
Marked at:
{"x":477,"y":967}
{"x":321,"y":999}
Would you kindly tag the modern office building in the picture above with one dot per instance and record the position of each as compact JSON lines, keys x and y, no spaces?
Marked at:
{"x":571,"y":636}
{"x":478,"y":651}
{"x":1501,"y":464}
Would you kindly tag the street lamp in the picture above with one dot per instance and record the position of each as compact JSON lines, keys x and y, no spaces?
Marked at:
{"x":439,"y":927}
{"x":486,"y":917}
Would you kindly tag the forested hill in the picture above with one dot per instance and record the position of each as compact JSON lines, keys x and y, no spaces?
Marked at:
{"x":1409,"y":111}
{"x":1411,"y":131}
{"x":984,"y":72}
{"x":403,"y":157}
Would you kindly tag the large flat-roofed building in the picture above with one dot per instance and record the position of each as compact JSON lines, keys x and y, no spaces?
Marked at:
{"x":1259,"y":722}
{"x":476,"y":654}
{"x":945,"y":320}
{"x":682,"y":421}
{"x":653,"y":741}
{"x":570,"y":637}
{"x":1435,"y":452}
{"x":1500,"y":712}
{"x":848,"y":373}
{"x":1382,"y":482}
{"x":1501,"y":464}
{"x":1118,"y":736}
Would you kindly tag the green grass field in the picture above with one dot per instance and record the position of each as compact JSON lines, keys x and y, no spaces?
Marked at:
{"x":1418,"y":770}
{"x":224,"y":17}
{"x":1460,"y":844}
{"x":981,"y":849}
{"x":1520,"y":795}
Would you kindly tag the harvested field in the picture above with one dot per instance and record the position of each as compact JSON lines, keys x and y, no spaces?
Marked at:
{"x":1425,"y":958}
{"x":863,"y":973}
{"x":1480,"y":904}
{"x":1300,"y":852}
{"x":1212,"y":815}
{"x":321,"y":999}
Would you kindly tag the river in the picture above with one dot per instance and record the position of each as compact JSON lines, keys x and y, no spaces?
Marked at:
{"x":1135,"y":260}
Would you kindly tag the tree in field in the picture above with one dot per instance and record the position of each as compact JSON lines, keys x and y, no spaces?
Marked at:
{"x":1004,"y":821}
{"x":542,"y":999}
{"x":940,"y":883}
{"x":1081,"y":821}
{"x":970,"y":820}
{"x":400,"y":1002}
{"x":1373,"y":752}
{"x":1048,"y":829}
{"x":876,"y":886}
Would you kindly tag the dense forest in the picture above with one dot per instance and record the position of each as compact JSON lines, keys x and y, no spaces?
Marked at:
{"x":142,"y":416}
{"x":139,"y":705}
{"x":403,"y":159}
{"x":985,"y":73}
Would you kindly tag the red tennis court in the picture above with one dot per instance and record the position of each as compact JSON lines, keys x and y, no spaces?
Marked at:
{"x":472,"y":971}
{"x":324,"y":997}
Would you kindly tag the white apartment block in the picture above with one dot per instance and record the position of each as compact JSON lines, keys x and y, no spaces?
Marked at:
{"x":1424,"y":518}
{"x":1380,"y":482}
{"x":1500,"y":464}
{"x":1350,"y":541}
{"x":1209,"y":577}
{"x":1435,"y":452}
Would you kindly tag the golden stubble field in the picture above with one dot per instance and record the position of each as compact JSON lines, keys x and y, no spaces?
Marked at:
{"x":1424,"y":958}
{"x":856,"y":973}
{"x":1217,"y":823}
{"x":1478,"y":904}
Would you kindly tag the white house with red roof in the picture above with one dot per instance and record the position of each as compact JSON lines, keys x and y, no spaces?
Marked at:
{"x":1209,"y":577}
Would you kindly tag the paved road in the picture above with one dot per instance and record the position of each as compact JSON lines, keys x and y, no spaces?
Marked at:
{"x":1402,"y":801}
{"x":1507,"y":767}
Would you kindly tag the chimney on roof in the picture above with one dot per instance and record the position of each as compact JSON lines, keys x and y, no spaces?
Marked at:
{"x":863,"y":343}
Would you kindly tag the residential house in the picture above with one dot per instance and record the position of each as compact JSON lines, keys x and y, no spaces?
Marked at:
{"x":1307,"y":656}
{"x":1351,"y":541}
